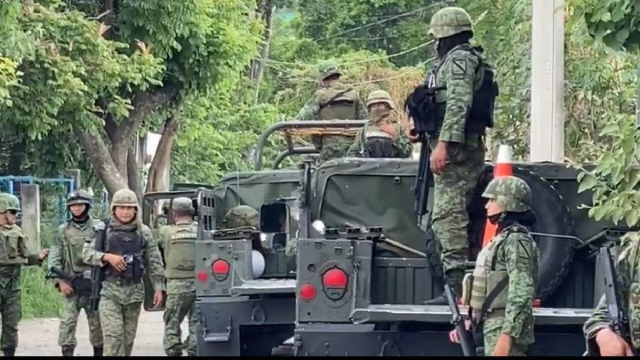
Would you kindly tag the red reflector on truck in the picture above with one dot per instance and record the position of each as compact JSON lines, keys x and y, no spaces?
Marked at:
{"x":220,"y":269}
{"x":307,"y":292}
{"x":335,"y":278}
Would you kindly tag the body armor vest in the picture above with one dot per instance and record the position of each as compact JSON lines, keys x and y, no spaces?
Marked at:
{"x":338,"y":103}
{"x":74,"y":241}
{"x":130,"y":245}
{"x":180,"y":252}
{"x":12,"y":246}
{"x":485,"y":278}
{"x":376,"y":143}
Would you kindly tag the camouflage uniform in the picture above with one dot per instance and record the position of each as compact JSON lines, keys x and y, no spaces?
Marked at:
{"x":627,"y":271}
{"x":121,"y":297}
{"x":454,"y":186}
{"x":66,"y":254}
{"x":14,"y":256}
{"x":240,"y":216}
{"x":179,"y":245}
{"x":511,"y":258}
{"x":400,"y":148}
{"x":333,"y":102}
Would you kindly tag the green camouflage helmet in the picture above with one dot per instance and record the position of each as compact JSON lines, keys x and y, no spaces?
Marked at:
{"x":380,"y":96}
{"x":124,"y":197}
{"x":327,"y":69}
{"x":79,"y":197}
{"x":182,"y":204}
{"x":450,"y":21}
{"x":512,"y":193}
{"x":242,"y":215}
{"x":8,"y":202}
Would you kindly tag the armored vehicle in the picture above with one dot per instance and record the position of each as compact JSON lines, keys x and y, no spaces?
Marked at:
{"x":362,"y":279}
{"x":245,"y":278}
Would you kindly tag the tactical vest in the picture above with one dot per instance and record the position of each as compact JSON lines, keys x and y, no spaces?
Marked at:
{"x":427,"y":104}
{"x":130,"y":245}
{"x":12,"y":246}
{"x":376,"y":143}
{"x":180,"y":252}
{"x":338,"y":104}
{"x":75,"y":239}
{"x":486,"y":278}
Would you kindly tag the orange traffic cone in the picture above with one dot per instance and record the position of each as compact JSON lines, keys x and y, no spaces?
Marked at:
{"x":501,"y":168}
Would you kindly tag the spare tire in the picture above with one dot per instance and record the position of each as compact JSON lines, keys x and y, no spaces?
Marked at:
{"x":553,"y":217}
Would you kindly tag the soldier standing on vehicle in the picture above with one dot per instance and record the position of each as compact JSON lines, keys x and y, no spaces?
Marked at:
{"x":381,"y":137}
{"x":502,"y":288}
{"x":129,"y":245}
{"x":14,"y":256}
{"x":601,"y":339}
{"x":241,"y":216}
{"x":333,"y":101}
{"x":464,"y":107}
{"x":66,"y":254}
{"x":180,"y":253}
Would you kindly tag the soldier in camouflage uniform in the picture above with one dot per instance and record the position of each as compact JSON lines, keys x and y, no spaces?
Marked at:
{"x":14,"y":256}
{"x":381,"y":137}
{"x":457,"y":157}
{"x":241,"y":216}
{"x":333,"y":101}
{"x":66,"y":254}
{"x":600,"y":337}
{"x":179,"y":245}
{"x":129,"y":246}
{"x":501,"y":290}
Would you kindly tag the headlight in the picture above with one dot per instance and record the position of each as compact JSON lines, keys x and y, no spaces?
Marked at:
{"x":319,"y":226}
{"x":257,"y":264}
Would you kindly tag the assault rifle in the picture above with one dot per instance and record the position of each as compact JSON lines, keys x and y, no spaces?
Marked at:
{"x":97,"y":272}
{"x":466,"y":338}
{"x":619,"y":319}
{"x":79,"y":283}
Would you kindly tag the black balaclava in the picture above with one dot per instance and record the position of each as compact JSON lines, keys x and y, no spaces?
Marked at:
{"x":444,"y":45}
{"x":506,"y":218}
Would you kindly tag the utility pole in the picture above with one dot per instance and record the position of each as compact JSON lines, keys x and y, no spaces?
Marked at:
{"x":547,"y":81}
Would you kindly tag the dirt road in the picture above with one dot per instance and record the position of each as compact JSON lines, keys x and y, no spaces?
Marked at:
{"x":40,"y":336}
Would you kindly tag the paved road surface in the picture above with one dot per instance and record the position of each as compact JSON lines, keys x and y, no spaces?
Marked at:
{"x":39,"y":337}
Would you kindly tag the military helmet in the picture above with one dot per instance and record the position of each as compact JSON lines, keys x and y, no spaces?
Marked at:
{"x":182,"y":204}
{"x":124,"y":197}
{"x":79,"y":197}
{"x":9,"y":202}
{"x":242,"y":215}
{"x":512,"y":193}
{"x":380,"y":96}
{"x":450,"y":21}
{"x":327,"y":69}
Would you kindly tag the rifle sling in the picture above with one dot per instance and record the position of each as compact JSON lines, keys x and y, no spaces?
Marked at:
{"x":323,"y":105}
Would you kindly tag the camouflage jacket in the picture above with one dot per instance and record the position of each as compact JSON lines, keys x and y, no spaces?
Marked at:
{"x":628,"y":276}
{"x":176,"y":286}
{"x":61,"y":248}
{"x":128,"y":294}
{"x":311,"y":110}
{"x":456,"y":71}
{"x":10,"y":273}
{"x":517,"y":254}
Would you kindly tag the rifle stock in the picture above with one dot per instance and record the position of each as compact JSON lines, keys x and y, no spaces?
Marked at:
{"x":466,"y":338}
{"x":619,"y":319}
{"x":57,"y":273}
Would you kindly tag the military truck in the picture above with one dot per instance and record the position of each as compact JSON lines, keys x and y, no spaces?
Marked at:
{"x":361,"y":282}
{"x":245,"y":281}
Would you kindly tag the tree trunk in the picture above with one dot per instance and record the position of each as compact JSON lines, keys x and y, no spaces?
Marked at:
{"x":267,"y":10}
{"x":96,"y":150}
{"x":133,"y":170}
{"x":155,"y":181}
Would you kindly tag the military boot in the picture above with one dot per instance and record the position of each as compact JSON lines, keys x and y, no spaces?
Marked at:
{"x":9,"y":352}
{"x":454,"y":280}
{"x":97,"y":351}
{"x":68,"y":350}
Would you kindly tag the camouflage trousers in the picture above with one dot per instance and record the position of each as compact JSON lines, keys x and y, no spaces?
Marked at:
{"x":332,"y":147}
{"x":492,"y":329}
{"x":453,"y":190}
{"x":119,"y":326}
{"x":11,"y":312}
{"x":177,"y":307}
{"x":71,"y":306}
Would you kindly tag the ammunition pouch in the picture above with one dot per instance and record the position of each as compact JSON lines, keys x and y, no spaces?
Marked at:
{"x":376,"y":144}
{"x":82,"y":284}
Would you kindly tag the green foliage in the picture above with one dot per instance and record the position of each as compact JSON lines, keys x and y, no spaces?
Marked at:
{"x":613,"y":22}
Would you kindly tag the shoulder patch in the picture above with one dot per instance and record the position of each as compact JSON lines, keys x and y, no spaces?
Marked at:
{"x":459,"y":66}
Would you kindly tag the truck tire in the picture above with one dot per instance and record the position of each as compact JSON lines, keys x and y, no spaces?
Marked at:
{"x":553,"y":217}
